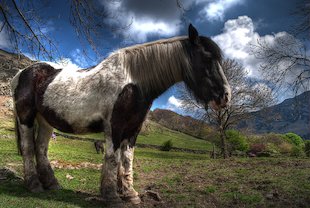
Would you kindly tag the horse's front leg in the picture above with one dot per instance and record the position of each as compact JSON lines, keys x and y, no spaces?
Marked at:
{"x":109,"y":174}
{"x":125,"y":174}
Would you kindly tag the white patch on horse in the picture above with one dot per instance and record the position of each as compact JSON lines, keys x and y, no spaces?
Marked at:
{"x":83,"y":97}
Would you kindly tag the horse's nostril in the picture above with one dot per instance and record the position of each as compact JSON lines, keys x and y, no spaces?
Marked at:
{"x":226,"y":97}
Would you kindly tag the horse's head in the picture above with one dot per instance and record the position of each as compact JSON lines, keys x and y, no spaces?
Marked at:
{"x":208,"y":81}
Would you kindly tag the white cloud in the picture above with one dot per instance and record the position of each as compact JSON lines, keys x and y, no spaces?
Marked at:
{"x":4,"y":38}
{"x":146,"y":18}
{"x":142,"y":28}
{"x":237,"y":39}
{"x":173,"y":101}
{"x":79,"y":58}
{"x":64,"y":63}
{"x":217,"y":8}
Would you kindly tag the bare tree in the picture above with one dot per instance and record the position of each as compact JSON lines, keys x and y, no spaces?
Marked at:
{"x":246,"y":97}
{"x":302,"y":14}
{"x":90,"y":19}
{"x":25,"y":29}
{"x":286,"y":60}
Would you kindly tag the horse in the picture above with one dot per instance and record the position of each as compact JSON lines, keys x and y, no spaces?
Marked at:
{"x":99,"y":146}
{"x":113,"y":97}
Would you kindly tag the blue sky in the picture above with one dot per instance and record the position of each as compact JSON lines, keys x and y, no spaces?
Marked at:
{"x":233,"y":24}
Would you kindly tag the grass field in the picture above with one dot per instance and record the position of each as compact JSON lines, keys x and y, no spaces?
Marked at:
{"x":181,"y":179}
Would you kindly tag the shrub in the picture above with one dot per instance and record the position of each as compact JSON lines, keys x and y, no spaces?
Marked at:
{"x":272,"y":148}
{"x":297,"y":151}
{"x":237,"y":141}
{"x":257,"y":147}
{"x":285,"y":148}
{"x":307,"y":148}
{"x":295,"y":139}
{"x":167,"y":145}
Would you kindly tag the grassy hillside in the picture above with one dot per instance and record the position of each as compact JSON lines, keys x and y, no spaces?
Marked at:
{"x":157,"y":134}
{"x":181,"y":179}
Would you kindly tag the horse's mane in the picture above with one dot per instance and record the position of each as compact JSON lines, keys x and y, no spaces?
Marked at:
{"x":154,"y":66}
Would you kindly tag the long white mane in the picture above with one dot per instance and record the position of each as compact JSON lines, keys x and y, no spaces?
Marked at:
{"x":156,"y":65}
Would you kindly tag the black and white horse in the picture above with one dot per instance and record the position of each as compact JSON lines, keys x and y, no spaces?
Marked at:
{"x":113,"y":97}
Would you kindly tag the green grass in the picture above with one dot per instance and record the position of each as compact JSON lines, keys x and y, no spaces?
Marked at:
{"x":157,"y":135}
{"x":181,"y":179}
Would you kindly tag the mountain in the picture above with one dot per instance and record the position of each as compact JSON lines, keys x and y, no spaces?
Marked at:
{"x":292,"y":115}
{"x":10,"y":64}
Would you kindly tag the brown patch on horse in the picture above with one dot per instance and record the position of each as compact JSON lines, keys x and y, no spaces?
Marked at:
{"x":29,"y":92}
{"x":128,"y":115}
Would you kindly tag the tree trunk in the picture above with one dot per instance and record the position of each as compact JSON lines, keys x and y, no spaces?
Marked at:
{"x":223,"y":143}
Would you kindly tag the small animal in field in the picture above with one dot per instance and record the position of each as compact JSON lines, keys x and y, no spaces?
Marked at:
{"x":53,"y":136}
{"x":99,"y":146}
{"x":113,"y":97}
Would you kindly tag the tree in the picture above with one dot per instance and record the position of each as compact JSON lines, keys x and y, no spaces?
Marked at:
{"x":246,"y":96}
{"x":26,"y":27}
{"x":286,"y":62}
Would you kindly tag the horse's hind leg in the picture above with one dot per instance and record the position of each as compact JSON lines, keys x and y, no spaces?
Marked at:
{"x":45,"y":171}
{"x":27,"y":149}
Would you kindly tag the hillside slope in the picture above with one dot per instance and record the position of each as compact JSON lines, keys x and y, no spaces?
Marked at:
{"x":292,"y":115}
{"x":185,"y":124}
{"x":10,"y":64}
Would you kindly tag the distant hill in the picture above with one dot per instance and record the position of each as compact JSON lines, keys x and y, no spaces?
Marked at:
{"x":10,"y":64}
{"x":185,"y":124}
{"x":292,"y":115}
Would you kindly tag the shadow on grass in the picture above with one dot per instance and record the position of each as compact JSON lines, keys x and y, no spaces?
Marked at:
{"x":14,"y":189}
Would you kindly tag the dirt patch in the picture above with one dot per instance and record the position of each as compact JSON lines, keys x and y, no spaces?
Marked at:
{"x":74,"y":166}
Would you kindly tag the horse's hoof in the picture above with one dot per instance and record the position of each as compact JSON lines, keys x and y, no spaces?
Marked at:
{"x":35,"y":186}
{"x":113,"y":202}
{"x":55,"y":186}
{"x":134,"y":200}
{"x":131,"y":196}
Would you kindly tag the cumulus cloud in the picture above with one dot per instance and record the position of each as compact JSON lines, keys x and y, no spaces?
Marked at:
{"x":64,"y":63}
{"x":237,"y":40}
{"x":173,"y":101}
{"x":79,"y":58}
{"x":173,"y":104}
{"x":216,"y":9}
{"x":146,"y":18}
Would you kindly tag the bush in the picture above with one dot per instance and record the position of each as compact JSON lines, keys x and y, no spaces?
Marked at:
{"x":272,"y":148}
{"x":167,"y":145}
{"x":285,"y":148}
{"x":297,"y":151}
{"x":237,"y":141}
{"x":307,"y":148}
{"x":257,"y":147}
{"x":295,"y":139}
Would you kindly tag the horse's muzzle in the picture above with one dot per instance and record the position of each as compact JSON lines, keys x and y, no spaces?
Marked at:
{"x":221,"y":102}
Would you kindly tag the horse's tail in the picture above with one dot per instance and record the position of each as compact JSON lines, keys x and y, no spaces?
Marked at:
{"x":14,"y":83}
{"x":17,"y":134}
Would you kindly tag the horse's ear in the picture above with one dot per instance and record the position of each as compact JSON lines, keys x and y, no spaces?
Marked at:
{"x":193,"y":34}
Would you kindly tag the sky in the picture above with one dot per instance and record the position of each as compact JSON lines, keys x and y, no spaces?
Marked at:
{"x":233,"y":24}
